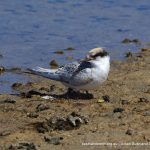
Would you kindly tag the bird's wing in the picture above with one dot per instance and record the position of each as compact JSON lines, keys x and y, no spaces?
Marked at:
{"x":82,"y":75}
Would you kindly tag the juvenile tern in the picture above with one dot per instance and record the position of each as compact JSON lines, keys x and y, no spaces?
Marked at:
{"x":87,"y":74}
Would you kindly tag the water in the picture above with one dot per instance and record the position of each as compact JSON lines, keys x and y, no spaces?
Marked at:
{"x":30,"y":31}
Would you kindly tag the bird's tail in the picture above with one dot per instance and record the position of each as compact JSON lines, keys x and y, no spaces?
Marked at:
{"x":47,"y":73}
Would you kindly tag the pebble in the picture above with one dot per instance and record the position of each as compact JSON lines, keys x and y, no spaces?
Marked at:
{"x":23,"y":146}
{"x":32,"y":115}
{"x":59,"y":52}
{"x":70,"y":49}
{"x":42,"y":107}
{"x":69,"y":122}
{"x":116,"y":110}
{"x":124,"y":102}
{"x":53,"y":140}
{"x":146,"y":113}
{"x":106,"y":98}
{"x":131,"y":132}
{"x":12,"y":101}
{"x":5,"y":133}
{"x":142,"y":99}
{"x":16,"y":85}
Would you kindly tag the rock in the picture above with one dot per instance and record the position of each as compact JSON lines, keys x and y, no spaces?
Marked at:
{"x":12,"y":101}
{"x":70,"y":122}
{"x":42,"y":107}
{"x":143,"y":99}
{"x":124,"y":102}
{"x":53,"y":140}
{"x":23,"y":146}
{"x":128,"y":54}
{"x":116,"y":110}
{"x":59,"y":52}
{"x":32,"y":115}
{"x":131,"y":132}
{"x":127,"y":41}
{"x":146,"y":113}
{"x":5,"y":133}
{"x":70,"y":49}
{"x":48,"y":97}
{"x":16,"y":85}
{"x":106,"y":98}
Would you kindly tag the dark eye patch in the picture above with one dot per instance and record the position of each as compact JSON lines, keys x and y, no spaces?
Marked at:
{"x":101,"y":54}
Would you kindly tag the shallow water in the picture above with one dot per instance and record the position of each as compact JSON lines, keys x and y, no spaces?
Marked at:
{"x":30,"y":31}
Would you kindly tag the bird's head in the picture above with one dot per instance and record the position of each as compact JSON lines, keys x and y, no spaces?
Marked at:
{"x":96,"y":53}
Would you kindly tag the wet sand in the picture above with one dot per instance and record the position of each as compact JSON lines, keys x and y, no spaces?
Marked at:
{"x":118,"y":113}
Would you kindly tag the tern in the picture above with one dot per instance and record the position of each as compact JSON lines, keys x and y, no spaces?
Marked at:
{"x":87,"y":74}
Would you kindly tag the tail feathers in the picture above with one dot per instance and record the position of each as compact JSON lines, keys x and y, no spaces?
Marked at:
{"x":47,"y":73}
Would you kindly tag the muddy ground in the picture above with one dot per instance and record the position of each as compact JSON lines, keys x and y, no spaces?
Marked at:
{"x":118,"y":113}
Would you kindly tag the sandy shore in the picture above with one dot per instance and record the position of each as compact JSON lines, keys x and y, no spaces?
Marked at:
{"x":118,"y":113}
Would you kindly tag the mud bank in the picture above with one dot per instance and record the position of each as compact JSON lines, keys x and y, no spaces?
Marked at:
{"x":42,"y":117}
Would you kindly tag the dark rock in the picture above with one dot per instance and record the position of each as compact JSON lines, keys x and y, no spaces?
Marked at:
{"x":59,"y":52}
{"x":42,"y":107}
{"x":128,"y":54}
{"x":70,"y":122}
{"x":142,"y":99}
{"x":70,"y":49}
{"x":116,"y":110}
{"x":16,"y":85}
{"x":124,"y":102}
{"x":32,"y":115}
{"x":23,"y":146}
{"x":131,"y":132}
{"x":53,"y":140}
{"x":146,"y":113}
{"x":12,"y":101}
{"x":106,"y":98}
{"x":1,"y":56}
{"x":126,"y":41}
{"x":5,"y":133}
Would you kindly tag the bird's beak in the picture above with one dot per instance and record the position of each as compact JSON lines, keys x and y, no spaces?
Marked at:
{"x":87,"y":58}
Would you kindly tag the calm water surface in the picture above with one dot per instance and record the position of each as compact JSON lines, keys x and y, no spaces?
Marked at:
{"x":30,"y":31}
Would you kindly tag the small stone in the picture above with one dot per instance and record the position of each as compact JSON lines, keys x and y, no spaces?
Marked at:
{"x":106,"y":98}
{"x":100,"y":101}
{"x":124,"y":102}
{"x":146,"y":113}
{"x":42,"y":107}
{"x":125,"y":41}
{"x":128,"y":54}
{"x":70,"y":49}
{"x":59,"y":52}
{"x":32,"y":115}
{"x":131,"y":132}
{"x":5,"y":133}
{"x":116,"y":110}
{"x":53,"y":140}
{"x":47,"y":97}
{"x":12,"y":101}
{"x":16,"y":85}
{"x":142,"y":99}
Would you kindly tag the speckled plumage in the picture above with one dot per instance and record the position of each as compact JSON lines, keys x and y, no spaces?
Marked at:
{"x":79,"y":75}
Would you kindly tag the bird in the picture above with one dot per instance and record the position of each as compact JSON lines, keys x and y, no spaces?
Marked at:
{"x":87,"y":74}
